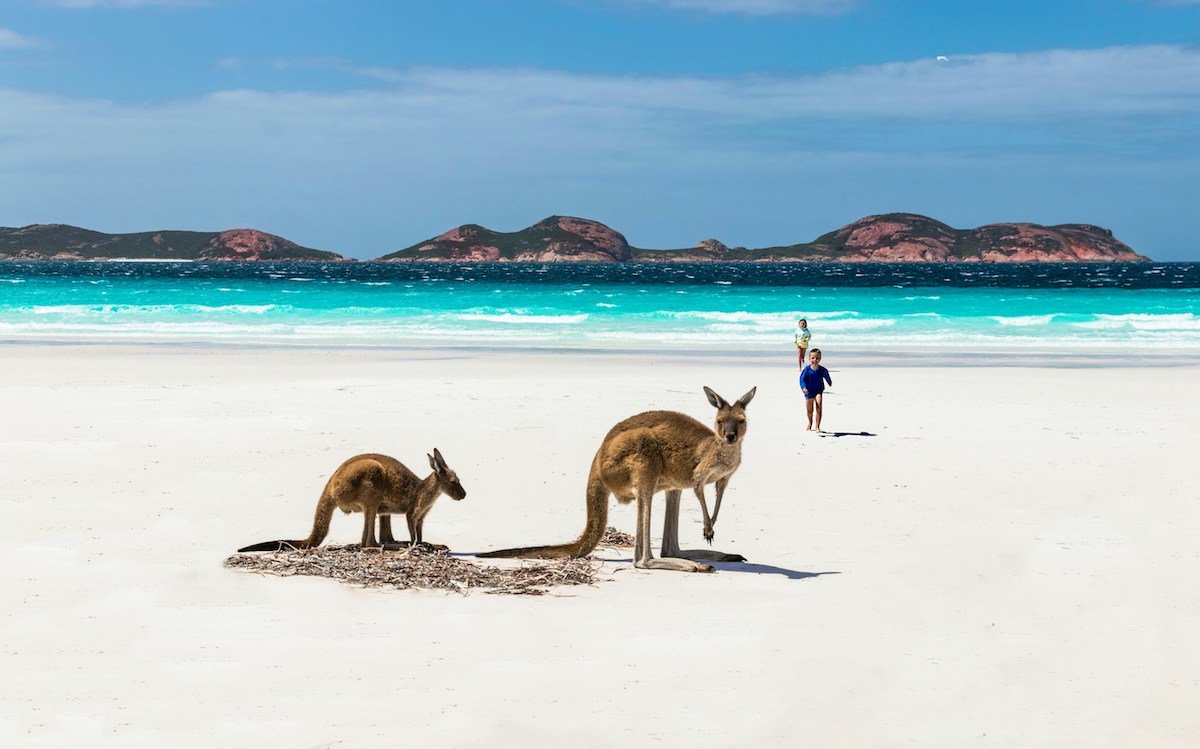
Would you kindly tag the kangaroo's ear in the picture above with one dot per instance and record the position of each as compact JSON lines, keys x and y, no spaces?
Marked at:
{"x":437,"y":455}
{"x":745,"y":399}
{"x":432,"y":461}
{"x":716,"y":400}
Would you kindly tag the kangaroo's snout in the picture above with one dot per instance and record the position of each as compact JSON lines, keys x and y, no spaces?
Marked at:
{"x":731,"y":437}
{"x":454,"y":490}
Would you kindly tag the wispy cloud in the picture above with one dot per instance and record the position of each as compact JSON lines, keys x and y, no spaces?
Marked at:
{"x":1093,"y":100}
{"x":1104,"y":93}
{"x":122,"y":3}
{"x":10,"y":39}
{"x":755,"y":7}
{"x":1113,"y":83}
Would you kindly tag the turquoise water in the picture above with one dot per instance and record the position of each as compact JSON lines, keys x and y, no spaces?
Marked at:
{"x":702,"y":307}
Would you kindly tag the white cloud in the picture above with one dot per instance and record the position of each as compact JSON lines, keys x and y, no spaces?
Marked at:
{"x":756,"y":7}
{"x":1107,"y":93}
{"x":12,"y":40}
{"x":1118,"y":82}
{"x":438,"y":118}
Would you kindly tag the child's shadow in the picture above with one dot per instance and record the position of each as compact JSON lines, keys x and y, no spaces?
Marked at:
{"x":847,"y":434}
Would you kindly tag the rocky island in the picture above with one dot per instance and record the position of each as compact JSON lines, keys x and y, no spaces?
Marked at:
{"x":887,"y":238}
{"x":62,"y":242}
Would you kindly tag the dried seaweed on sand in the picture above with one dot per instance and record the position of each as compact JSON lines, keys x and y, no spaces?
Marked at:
{"x":417,"y":567}
{"x":614,"y":537}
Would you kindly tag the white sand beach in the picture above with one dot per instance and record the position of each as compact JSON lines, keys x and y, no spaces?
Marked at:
{"x":993,"y":556}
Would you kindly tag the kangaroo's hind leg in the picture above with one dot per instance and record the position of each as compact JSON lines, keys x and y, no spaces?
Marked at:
{"x":670,"y":547}
{"x":643,"y":557}
{"x":416,"y":531}
{"x":670,"y":537}
{"x":385,"y":529}
{"x":368,"y":534}
{"x":386,"y":539}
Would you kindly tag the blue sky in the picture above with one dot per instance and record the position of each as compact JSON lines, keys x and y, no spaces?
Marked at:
{"x":364,"y":127}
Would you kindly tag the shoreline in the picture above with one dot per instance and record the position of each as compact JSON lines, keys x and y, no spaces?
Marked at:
{"x":917,"y":357}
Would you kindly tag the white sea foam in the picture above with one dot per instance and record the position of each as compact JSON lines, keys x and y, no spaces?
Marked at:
{"x":757,"y":317}
{"x":520,"y":319}
{"x":1024,"y":320}
{"x":1175,"y":321}
{"x":146,"y":330}
{"x":718,"y":327}
{"x":777,"y":321}
{"x":831,"y":326}
{"x":1100,"y":325}
{"x":170,"y":310}
{"x":621,"y":334}
{"x":827,"y":315}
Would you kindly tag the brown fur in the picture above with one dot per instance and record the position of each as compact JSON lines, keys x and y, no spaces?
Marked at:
{"x":377,"y":485}
{"x":652,"y":452}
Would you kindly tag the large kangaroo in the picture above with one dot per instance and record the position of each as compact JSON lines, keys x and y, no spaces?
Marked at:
{"x":378,"y":485}
{"x":651,"y":452}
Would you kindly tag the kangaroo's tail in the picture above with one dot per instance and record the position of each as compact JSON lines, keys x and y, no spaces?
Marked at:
{"x":597,"y":521}
{"x":325,"y":508}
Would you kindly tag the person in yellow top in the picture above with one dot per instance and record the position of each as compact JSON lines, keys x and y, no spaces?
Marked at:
{"x":802,"y":336}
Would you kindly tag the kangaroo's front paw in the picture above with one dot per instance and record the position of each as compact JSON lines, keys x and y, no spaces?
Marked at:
{"x":708,"y":534}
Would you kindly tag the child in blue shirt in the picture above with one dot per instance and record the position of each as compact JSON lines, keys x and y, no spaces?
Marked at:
{"x":812,"y":384}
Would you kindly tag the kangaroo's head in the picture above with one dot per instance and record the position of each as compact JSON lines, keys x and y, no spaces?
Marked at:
{"x":446,"y":477}
{"x":731,"y":418}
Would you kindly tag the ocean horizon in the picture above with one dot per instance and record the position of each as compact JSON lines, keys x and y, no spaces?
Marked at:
{"x":934,"y":309}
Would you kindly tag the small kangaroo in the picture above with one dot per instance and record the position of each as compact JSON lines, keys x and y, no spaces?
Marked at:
{"x":651,"y":452}
{"x":378,"y":485}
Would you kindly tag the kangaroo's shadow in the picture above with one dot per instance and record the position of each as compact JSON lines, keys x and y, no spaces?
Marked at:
{"x":769,"y":569}
{"x":758,"y":569}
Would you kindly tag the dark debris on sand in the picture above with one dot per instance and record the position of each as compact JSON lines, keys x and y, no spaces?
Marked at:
{"x":417,"y":567}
